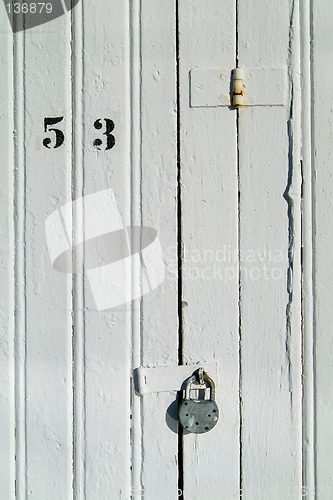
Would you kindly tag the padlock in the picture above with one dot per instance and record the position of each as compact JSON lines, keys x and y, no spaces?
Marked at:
{"x":199,"y":415}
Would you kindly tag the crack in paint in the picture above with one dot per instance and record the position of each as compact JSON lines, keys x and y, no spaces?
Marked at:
{"x":290,"y":210}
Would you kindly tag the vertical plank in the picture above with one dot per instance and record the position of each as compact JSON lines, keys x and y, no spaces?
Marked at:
{"x":7,"y":361}
{"x":78,"y":280}
{"x":19,"y":272}
{"x":46,"y":334}
{"x":308,"y":375}
{"x":322,"y":15}
{"x":269,"y":179}
{"x":159,"y":210}
{"x":207,"y":40}
{"x":106,"y":334}
{"x":136,"y":220}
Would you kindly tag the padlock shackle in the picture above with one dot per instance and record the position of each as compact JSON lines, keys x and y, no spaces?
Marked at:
{"x":189,"y":382}
{"x":211,"y":384}
{"x":207,"y":380}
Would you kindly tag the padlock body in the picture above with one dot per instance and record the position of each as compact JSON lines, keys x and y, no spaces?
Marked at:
{"x":198,"y":415}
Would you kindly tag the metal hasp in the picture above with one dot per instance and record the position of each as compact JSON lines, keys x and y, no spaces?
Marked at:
{"x":199,"y":415}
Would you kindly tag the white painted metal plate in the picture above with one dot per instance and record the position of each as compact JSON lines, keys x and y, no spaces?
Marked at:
{"x":263,"y":87}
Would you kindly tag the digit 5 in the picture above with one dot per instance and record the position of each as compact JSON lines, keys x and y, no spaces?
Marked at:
{"x":59,"y":136}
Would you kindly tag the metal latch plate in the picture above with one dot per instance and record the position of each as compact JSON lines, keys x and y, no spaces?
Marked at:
{"x":167,"y":378}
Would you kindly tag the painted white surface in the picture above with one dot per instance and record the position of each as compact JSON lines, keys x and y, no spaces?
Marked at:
{"x":227,"y":187}
{"x":105,"y":341}
{"x":269,"y":184}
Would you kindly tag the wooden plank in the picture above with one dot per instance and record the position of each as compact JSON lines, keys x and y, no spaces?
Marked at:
{"x":269,"y":180}
{"x":45,"y":381}
{"x":207,"y":32}
{"x":7,"y":360}
{"x":19,"y":273}
{"x":159,"y":210}
{"x":78,"y":281}
{"x":106,"y":335}
{"x":307,"y":253}
{"x":323,"y":227}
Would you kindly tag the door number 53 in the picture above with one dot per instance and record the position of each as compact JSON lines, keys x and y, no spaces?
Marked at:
{"x":58,"y":137}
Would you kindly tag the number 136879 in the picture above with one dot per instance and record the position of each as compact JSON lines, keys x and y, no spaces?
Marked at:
{"x":29,"y":8}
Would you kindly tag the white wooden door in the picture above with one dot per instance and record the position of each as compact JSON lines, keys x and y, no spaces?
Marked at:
{"x":116,"y":120}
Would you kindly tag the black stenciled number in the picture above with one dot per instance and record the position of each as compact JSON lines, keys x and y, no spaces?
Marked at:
{"x":110,"y":141}
{"x":59,"y":136}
